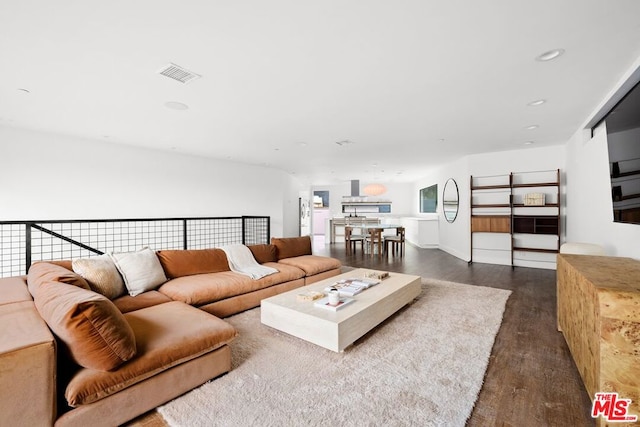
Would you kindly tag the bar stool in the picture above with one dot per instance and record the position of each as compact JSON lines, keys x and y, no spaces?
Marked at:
{"x":396,"y":242}
{"x":350,"y":240}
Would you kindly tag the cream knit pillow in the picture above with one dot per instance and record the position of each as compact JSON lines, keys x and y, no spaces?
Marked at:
{"x":101,"y":274}
{"x":141,"y":270}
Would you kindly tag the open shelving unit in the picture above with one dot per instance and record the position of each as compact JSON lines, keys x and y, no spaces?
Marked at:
{"x":505,"y":229}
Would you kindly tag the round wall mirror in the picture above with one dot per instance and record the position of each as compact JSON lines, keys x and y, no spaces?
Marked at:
{"x":450,"y":198}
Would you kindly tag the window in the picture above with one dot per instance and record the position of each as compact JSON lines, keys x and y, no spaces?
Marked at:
{"x":429,"y":199}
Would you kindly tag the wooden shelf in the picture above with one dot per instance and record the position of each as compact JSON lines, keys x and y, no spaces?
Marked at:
{"x":547,"y":251}
{"x":547,"y":205}
{"x":491,"y":187}
{"x":525,"y":224}
{"x":535,"y":224}
{"x":536,"y":184}
{"x":495,"y":205}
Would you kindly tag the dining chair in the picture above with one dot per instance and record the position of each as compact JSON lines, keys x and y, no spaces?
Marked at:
{"x":374,"y":241}
{"x":396,"y":242}
{"x":351,"y":240}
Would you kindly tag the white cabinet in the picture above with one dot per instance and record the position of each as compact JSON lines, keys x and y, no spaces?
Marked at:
{"x":422,"y":232}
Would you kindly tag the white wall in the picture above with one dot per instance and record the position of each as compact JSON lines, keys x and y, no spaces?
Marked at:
{"x":455,"y":237}
{"x":452,"y":237}
{"x":291,"y":189}
{"x":45,"y":176}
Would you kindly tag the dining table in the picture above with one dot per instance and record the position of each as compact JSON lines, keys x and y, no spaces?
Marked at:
{"x":374,"y":232}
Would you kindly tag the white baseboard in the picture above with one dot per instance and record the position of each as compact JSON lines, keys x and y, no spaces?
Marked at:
{"x":455,"y":253}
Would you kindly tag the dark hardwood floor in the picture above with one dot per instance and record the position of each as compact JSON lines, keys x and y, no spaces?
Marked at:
{"x":531,"y":379}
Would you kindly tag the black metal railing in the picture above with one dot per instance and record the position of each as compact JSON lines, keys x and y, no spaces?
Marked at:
{"x":24,"y":242}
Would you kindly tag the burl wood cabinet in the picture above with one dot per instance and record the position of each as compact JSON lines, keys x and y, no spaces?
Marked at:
{"x":599,"y":316}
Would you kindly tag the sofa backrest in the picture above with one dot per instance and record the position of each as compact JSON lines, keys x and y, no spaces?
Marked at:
{"x":264,"y":253}
{"x":48,"y":271}
{"x":289,"y":247}
{"x":180,"y":262}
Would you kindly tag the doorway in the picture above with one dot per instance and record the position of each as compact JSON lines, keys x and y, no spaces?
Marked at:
{"x":321,"y":213}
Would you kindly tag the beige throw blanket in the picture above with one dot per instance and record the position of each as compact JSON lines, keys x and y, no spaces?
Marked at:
{"x":241,"y":261}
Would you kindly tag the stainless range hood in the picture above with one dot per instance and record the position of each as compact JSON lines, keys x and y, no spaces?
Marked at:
{"x":355,"y":193}
{"x":355,"y":187}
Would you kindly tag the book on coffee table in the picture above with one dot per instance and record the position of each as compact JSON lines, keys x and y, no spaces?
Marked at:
{"x":324,"y":303}
{"x":351,"y":287}
{"x":309,"y":295}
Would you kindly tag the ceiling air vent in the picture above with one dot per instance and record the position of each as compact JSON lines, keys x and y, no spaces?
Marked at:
{"x":178,"y":73}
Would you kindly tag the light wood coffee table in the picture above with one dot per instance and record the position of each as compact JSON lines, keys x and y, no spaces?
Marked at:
{"x":335,"y":330}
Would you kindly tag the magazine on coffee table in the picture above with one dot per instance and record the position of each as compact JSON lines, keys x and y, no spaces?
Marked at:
{"x":324,"y":303}
{"x":351,"y":287}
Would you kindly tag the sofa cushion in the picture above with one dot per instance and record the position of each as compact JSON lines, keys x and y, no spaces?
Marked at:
{"x":27,"y":367}
{"x":312,"y":264}
{"x":44,"y":272}
{"x":292,"y":246}
{"x":92,"y":329}
{"x":14,"y":289}
{"x":127,"y":303}
{"x":203,"y":289}
{"x":264,"y":253}
{"x":101,"y":274}
{"x":167,"y":335}
{"x":141,"y":270}
{"x":178,"y":263}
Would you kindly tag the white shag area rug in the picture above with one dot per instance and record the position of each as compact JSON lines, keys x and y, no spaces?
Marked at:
{"x":424,"y":366}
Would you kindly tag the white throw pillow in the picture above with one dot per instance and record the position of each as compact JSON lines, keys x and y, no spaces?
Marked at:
{"x":101,"y":274}
{"x":141,"y":270}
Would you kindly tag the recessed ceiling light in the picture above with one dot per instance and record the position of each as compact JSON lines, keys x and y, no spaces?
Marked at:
{"x":549,"y":55}
{"x":176,"y":105}
{"x":528,"y":142}
{"x":537,"y":102}
{"x":532,"y":127}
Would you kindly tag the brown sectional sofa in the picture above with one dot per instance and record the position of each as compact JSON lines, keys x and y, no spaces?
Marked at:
{"x":71,"y":357}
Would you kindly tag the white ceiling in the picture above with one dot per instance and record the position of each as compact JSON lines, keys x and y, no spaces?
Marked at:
{"x":411,"y":83}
